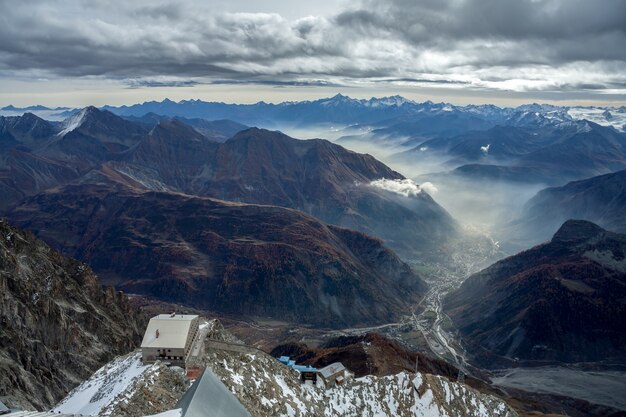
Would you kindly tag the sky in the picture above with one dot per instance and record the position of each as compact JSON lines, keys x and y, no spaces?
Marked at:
{"x":75,"y":53}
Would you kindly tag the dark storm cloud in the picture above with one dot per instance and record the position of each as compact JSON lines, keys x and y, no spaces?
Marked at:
{"x":522,"y":45}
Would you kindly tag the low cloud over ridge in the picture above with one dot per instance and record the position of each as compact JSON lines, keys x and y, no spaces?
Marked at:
{"x":406,"y":187}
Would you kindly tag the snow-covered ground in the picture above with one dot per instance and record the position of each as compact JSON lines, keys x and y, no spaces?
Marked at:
{"x":73,"y":122}
{"x":171,"y":413}
{"x":605,"y":116}
{"x":126,"y":388}
{"x":106,"y":384}
{"x":266,"y":387}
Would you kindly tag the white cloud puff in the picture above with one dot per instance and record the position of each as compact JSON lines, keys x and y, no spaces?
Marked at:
{"x":405,"y":187}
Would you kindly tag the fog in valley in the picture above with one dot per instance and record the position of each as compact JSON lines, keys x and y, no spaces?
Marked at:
{"x":484,"y":206}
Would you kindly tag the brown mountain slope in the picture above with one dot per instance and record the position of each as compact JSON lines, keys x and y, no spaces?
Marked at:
{"x":315,"y":176}
{"x":561,"y":301}
{"x":229,"y":257}
{"x":58,"y":324}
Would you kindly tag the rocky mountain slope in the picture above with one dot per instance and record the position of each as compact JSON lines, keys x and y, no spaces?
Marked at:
{"x":315,"y":176}
{"x":126,"y":387}
{"x":562,"y":301}
{"x":266,"y":387}
{"x":280,"y":393}
{"x":228,"y":257}
{"x":58,"y":323}
{"x":23,"y":172}
{"x":38,"y":154}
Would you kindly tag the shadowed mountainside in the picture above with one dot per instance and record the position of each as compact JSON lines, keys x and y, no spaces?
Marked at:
{"x":255,"y":166}
{"x":58,"y":324}
{"x":562,"y":301}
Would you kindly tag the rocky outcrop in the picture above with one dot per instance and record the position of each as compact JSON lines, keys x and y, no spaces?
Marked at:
{"x":57,"y":323}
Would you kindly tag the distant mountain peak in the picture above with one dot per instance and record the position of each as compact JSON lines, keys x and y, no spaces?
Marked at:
{"x":174,"y":128}
{"x":338,"y":99}
{"x":577,"y":231}
{"x":31,"y":118}
{"x":251,"y":131}
{"x":76,"y":120}
{"x":37,"y":107}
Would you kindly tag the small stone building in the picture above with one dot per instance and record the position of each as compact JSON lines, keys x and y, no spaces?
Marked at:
{"x":333,"y":374}
{"x":169,"y":338}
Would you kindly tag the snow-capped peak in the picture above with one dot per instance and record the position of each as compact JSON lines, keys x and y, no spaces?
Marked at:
{"x":390,"y":101}
{"x":337,"y":100}
{"x":73,"y":122}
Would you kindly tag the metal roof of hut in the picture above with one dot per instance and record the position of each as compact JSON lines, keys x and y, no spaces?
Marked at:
{"x":209,"y":397}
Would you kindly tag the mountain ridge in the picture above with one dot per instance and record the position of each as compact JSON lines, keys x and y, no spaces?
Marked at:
{"x":226,"y":256}
{"x":561,"y":301}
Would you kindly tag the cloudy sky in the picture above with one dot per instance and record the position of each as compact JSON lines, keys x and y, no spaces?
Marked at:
{"x":501,"y":51}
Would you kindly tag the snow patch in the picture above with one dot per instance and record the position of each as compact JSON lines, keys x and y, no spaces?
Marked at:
{"x":99,"y":391}
{"x":73,"y":122}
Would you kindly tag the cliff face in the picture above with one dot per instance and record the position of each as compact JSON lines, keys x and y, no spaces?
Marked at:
{"x":58,"y":324}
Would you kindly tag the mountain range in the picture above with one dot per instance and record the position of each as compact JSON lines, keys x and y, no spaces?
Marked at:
{"x":186,"y":203}
{"x":548,"y":155}
{"x":254,"y":166}
{"x":158,"y":208}
{"x":396,"y":112}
